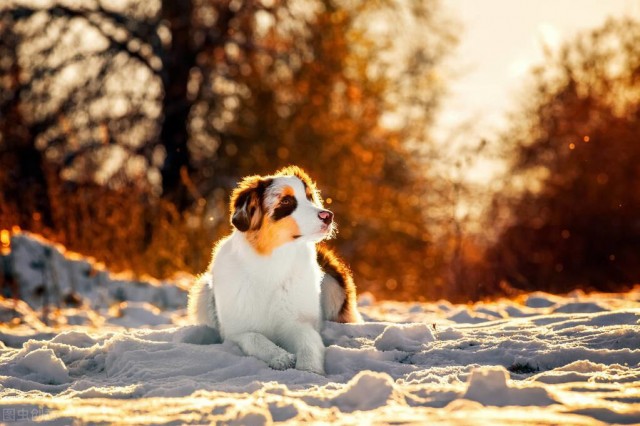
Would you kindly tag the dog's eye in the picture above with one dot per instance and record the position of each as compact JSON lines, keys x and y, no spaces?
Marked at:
{"x":286,"y":206}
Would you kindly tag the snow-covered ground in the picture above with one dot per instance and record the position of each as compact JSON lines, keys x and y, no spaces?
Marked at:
{"x":127,"y":354}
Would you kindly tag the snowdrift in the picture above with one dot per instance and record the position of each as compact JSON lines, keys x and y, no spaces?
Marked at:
{"x":541,"y":360}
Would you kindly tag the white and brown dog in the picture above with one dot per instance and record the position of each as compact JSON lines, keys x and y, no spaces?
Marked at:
{"x":268,"y":286}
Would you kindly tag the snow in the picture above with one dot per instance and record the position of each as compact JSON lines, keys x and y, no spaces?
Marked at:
{"x":404,"y":337}
{"x":43,"y":366}
{"x":138,"y":314}
{"x":366,"y":391}
{"x":129,"y":355}
{"x":489,"y":386}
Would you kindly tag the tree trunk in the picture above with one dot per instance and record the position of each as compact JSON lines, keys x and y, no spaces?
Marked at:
{"x":178,"y":61}
{"x":22,"y":177}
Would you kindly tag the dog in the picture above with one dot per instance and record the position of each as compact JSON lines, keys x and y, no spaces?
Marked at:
{"x":270,"y":284}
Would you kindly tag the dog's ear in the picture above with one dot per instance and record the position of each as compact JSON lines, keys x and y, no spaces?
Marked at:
{"x":245,"y":208}
{"x":247,"y":203}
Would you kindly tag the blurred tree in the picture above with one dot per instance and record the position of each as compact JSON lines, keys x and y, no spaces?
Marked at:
{"x":85,"y":83}
{"x":574,"y":201}
{"x":134,"y":100}
{"x":317,"y":95}
{"x":81,"y":114}
{"x":23,"y":182}
{"x":179,"y":59}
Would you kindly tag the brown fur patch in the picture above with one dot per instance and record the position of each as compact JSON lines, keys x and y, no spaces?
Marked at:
{"x":332,"y":265}
{"x":287,"y":190}
{"x":272,"y":235}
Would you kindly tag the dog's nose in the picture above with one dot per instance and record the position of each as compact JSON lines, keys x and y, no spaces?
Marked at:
{"x":326,"y":216}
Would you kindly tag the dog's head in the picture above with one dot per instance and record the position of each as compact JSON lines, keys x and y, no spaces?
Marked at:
{"x":280,"y":209}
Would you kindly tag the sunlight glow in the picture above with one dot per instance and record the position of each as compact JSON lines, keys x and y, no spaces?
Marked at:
{"x":501,"y":40}
{"x":5,"y":242}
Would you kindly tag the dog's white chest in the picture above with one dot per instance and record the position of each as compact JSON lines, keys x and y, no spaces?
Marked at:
{"x":267,"y":295}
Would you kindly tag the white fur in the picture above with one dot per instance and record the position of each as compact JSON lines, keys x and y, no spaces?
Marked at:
{"x":202,"y":308}
{"x":268,"y":304}
{"x":306,"y":214}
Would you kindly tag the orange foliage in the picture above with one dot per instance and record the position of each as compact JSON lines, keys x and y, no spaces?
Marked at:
{"x":234,"y":98}
{"x":576,"y":152}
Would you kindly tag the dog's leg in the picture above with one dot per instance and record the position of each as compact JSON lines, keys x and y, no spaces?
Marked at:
{"x":257,"y":345}
{"x":309,"y":349}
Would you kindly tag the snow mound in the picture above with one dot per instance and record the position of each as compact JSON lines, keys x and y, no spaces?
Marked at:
{"x":44,"y":273}
{"x":541,"y":300}
{"x":366,"y":391}
{"x":489,"y":386}
{"x":464,"y":315}
{"x":579,"y":307}
{"x":43,"y":367}
{"x":404,"y":337}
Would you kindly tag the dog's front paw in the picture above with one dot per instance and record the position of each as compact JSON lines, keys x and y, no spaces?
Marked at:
{"x":282,"y":361}
{"x":310,"y":364}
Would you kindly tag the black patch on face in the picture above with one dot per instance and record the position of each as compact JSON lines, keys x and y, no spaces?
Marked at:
{"x":285,"y":207}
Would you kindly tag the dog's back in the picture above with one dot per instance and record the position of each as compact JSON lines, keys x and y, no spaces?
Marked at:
{"x":338,"y":291}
